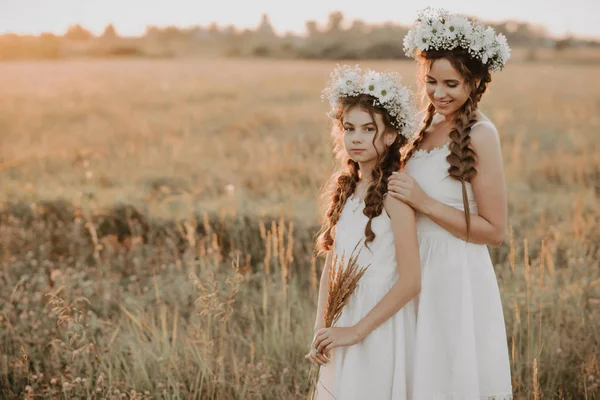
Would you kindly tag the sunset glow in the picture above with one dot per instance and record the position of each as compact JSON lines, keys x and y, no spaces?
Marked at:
{"x":577,"y":17}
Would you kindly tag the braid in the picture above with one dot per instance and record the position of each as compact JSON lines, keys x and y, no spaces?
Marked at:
{"x":378,"y":189}
{"x":429,"y":113}
{"x":345,"y":184}
{"x":462,"y":157}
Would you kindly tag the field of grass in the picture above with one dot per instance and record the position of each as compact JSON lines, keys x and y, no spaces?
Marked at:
{"x":157,"y":222}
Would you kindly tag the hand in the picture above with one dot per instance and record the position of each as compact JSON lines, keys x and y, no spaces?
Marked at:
{"x":330,"y":338}
{"x":315,"y":356}
{"x":405,"y":188}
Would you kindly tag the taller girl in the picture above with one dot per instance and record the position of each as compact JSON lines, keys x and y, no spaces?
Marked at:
{"x":453,"y":176}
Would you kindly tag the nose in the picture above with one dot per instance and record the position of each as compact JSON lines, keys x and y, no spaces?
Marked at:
{"x":439,"y":92}
{"x":357,"y":139}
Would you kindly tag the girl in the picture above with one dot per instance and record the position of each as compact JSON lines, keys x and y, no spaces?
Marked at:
{"x":453,"y":176}
{"x":373,"y":339}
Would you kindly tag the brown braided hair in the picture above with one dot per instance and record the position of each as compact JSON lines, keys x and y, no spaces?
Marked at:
{"x":343,"y":184}
{"x":462,"y":157}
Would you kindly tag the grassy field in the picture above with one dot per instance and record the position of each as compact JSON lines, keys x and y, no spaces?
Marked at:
{"x":157,"y":219}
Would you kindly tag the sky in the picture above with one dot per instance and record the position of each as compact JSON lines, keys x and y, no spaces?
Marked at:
{"x":130,"y":17}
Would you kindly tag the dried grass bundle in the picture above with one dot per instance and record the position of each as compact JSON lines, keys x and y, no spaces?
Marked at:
{"x":341,"y":283}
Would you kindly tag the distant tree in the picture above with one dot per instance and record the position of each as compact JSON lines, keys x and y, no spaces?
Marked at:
{"x":171,"y":33}
{"x":265,"y":28}
{"x":110,"y":32}
{"x":213,"y":29}
{"x":77,"y":32}
{"x":359,"y":27}
{"x":564,"y":43}
{"x":335,"y":21}
{"x":49,"y":46}
{"x":312,"y":28}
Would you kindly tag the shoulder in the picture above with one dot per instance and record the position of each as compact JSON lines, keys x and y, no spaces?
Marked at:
{"x":397,"y":209}
{"x":484,"y":136}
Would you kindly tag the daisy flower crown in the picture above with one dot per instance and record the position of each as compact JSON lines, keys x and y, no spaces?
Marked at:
{"x":385,"y":89}
{"x":440,"y":30}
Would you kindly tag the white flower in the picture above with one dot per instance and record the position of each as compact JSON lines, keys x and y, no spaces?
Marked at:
{"x":439,"y":30}
{"x":460,"y":25}
{"x":385,"y":89}
{"x":371,"y":82}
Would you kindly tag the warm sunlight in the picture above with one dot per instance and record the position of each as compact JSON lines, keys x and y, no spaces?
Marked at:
{"x":578,"y":17}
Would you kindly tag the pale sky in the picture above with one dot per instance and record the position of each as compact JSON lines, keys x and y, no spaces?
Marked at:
{"x":130,"y":17}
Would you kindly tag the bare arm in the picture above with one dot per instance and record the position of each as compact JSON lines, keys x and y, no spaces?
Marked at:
{"x":408,"y":284}
{"x":488,"y":187}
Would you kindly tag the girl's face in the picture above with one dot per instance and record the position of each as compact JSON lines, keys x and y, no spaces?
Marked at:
{"x":446,"y":88}
{"x":360,"y":130}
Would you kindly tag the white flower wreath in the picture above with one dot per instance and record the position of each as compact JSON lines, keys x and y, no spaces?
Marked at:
{"x":440,"y":30}
{"x":385,"y":88}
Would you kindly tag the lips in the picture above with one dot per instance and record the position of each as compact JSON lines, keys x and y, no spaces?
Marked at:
{"x":358,"y":151}
{"x":443,"y":103}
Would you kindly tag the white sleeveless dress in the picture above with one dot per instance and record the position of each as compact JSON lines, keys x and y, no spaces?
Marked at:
{"x":380,"y":366}
{"x":461,"y":349}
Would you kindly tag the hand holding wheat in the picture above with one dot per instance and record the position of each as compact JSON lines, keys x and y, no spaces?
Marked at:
{"x":341,"y":283}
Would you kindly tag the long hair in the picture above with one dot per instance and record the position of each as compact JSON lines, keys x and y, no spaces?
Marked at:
{"x":462,"y":157}
{"x":343,"y":183}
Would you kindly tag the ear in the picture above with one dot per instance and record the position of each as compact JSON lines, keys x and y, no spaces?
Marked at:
{"x":390,"y":137}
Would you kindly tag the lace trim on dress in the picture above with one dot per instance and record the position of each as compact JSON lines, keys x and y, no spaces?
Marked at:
{"x":444,"y":147}
{"x":435,"y":150}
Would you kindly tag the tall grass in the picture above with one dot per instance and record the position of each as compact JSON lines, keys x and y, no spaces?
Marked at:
{"x":157,"y":223}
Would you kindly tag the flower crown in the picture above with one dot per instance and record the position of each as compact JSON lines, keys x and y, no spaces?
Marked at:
{"x":440,"y":30}
{"x":384,"y":87}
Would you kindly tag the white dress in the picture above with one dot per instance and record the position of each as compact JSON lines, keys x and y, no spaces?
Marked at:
{"x":380,"y":366}
{"x":461,"y":351}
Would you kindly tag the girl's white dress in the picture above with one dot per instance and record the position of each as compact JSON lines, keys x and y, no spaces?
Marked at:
{"x":461,"y":349}
{"x":380,"y":366}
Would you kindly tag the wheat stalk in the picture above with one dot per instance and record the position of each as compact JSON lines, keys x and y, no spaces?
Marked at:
{"x":341,"y":283}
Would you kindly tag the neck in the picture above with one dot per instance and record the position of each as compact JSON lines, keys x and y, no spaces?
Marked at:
{"x":448,"y":119}
{"x":366,"y":171}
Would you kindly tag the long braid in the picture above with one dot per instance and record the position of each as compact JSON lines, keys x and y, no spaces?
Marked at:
{"x":345,"y":184}
{"x":429,"y":113}
{"x":378,"y":189}
{"x":462,"y":157}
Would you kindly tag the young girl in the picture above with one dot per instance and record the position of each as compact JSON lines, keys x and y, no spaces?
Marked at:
{"x":374,"y":337}
{"x":453,"y":177}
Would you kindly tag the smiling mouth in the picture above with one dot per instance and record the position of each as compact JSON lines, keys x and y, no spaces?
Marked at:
{"x":443,"y":103}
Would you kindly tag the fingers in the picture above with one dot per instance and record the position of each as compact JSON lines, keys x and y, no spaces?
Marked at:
{"x":321,"y":359}
{"x":330,"y":347}
{"x":399,"y":193}
{"x":397,"y":177}
{"x":399,"y":186}
{"x":317,"y":358}
{"x":402,"y":196}
{"x":321,"y":335}
{"x":321,"y":347}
